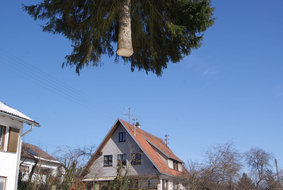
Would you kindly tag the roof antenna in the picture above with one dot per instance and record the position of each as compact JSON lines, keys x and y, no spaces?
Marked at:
{"x":129,"y":114}
{"x":166,"y":139}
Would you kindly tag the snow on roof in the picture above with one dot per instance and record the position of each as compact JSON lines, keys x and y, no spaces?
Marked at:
{"x":13,"y":112}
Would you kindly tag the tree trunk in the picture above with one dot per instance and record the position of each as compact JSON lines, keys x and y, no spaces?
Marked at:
{"x":125,"y":47}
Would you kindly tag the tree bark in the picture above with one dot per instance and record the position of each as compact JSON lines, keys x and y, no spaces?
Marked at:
{"x":125,"y":47}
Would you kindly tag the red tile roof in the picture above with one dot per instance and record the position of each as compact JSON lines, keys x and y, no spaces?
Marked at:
{"x":32,"y":151}
{"x":145,"y":140}
{"x":148,"y":143}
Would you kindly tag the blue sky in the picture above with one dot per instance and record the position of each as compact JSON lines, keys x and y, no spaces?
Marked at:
{"x":231,"y":89}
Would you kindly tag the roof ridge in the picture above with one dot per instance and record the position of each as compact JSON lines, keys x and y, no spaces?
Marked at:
{"x":143,"y":130}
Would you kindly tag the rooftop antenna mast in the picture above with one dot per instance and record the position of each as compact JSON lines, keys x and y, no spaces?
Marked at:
{"x":166,"y":139}
{"x":129,"y":114}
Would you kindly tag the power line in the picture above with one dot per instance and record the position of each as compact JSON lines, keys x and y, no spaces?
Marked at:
{"x":41,"y":77}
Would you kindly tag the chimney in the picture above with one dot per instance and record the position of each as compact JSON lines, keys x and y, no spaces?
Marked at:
{"x":138,"y":125}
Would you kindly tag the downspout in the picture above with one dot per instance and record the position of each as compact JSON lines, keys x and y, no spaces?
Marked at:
{"x":19,"y":154}
{"x":31,"y":128}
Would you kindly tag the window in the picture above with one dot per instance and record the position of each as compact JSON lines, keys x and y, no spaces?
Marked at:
{"x":175,"y":165}
{"x":122,"y":158}
{"x":136,"y":159}
{"x":164,"y":184}
{"x":2,"y":137}
{"x":122,"y":137}
{"x":2,"y":183}
{"x":24,"y":169}
{"x":175,"y":186}
{"x":44,"y":171}
{"x":107,"y":160}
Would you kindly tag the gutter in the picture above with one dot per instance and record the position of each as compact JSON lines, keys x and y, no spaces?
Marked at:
{"x":29,"y":122}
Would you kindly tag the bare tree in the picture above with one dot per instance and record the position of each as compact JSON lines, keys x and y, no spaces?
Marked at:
{"x":223,"y":165}
{"x":74,"y":160}
{"x":195,"y":171}
{"x":259,"y":162}
{"x":219,"y":172}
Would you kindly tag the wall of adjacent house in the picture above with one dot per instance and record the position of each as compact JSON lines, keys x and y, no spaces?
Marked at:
{"x":114,"y":147}
{"x":9,"y":164}
{"x":41,"y":165}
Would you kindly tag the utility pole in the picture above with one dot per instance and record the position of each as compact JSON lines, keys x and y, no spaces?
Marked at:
{"x":277,"y":173}
{"x":166,"y":139}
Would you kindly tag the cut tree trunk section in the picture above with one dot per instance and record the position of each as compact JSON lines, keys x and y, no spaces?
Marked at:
{"x":125,"y":47}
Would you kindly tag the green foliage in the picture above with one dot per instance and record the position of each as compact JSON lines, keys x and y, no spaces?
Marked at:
{"x":162,"y":31}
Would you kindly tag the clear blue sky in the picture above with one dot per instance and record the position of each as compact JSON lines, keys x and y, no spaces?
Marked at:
{"x":231,"y":89}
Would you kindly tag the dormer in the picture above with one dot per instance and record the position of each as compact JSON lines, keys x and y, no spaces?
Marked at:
{"x":175,"y":165}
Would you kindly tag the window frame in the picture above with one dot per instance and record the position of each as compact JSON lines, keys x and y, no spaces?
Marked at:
{"x":134,"y":160}
{"x":24,"y":169}
{"x":122,"y":158}
{"x":3,"y":138}
{"x":122,"y":137}
{"x":5,"y":181}
{"x":107,"y":157}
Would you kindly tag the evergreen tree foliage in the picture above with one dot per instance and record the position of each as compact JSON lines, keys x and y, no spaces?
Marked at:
{"x":162,"y":31}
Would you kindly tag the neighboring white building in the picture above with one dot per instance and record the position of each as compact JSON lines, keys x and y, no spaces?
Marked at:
{"x":148,"y":160}
{"x":11,"y":132}
{"x":44,"y":165}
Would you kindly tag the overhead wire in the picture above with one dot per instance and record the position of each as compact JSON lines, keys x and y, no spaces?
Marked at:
{"x":45,"y":79}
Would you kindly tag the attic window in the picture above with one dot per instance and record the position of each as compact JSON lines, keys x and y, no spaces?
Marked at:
{"x":2,"y":137}
{"x":122,"y":137}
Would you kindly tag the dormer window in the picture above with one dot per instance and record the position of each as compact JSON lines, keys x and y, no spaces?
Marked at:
{"x":2,"y":137}
{"x":122,"y":137}
{"x":175,"y":165}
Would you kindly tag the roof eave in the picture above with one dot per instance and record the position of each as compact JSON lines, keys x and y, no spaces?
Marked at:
{"x":21,"y":119}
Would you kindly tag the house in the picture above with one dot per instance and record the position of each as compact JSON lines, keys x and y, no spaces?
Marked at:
{"x":11,"y":133}
{"x":43,"y":165}
{"x":148,"y":161}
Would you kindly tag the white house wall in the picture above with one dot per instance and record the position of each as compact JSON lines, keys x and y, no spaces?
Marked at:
{"x":114,"y":147}
{"x":41,"y":164}
{"x":9,"y":161}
